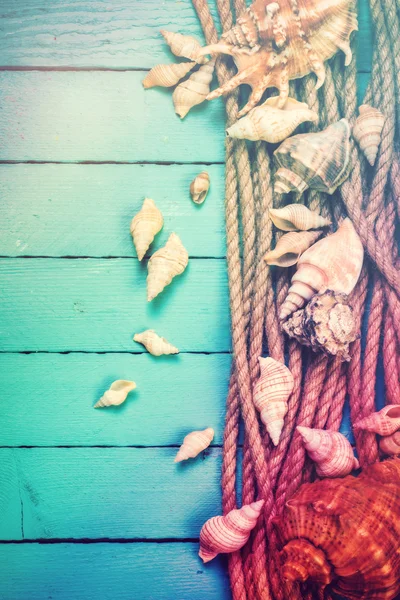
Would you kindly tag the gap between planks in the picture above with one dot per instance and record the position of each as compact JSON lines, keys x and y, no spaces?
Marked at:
{"x":67,"y":69}
{"x":165,"y":163}
{"x":49,"y":541}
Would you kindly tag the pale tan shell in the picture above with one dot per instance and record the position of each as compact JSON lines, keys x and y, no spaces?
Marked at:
{"x":367,"y":131}
{"x":270,"y":123}
{"x":194,"y":90}
{"x":385,"y":422}
{"x":330,"y":450}
{"x":334,"y":263}
{"x":199,"y":187}
{"x":116,"y":394}
{"x":390,"y":444}
{"x":290,"y":247}
{"x":194,"y":443}
{"x":145,"y":225}
{"x":164,"y":265}
{"x":296,"y":216}
{"x":155,"y":344}
{"x":167,"y":75}
{"x":183,"y":45}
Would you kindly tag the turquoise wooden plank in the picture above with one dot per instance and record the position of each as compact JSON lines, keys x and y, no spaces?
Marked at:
{"x":85,"y":210}
{"x":98,"y":304}
{"x":107,"y":493}
{"x":109,"y":571}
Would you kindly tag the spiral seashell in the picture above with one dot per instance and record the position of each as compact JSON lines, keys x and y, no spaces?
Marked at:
{"x":155,"y":344}
{"x":367,"y":131}
{"x":271,"y":394}
{"x":334,"y":262}
{"x":194,"y":90}
{"x":229,"y":533}
{"x":164,"y":265}
{"x":296,"y":216}
{"x":167,"y":75}
{"x":199,"y":187}
{"x":117,"y":393}
{"x":194,"y":443}
{"x":390,"y":444}
{"x":270,"y":123}
{"x":145,"y":225}
{"x":314,"y":160}
{"x":290,"y":247}
{"x":330,"y":450}
{"x":385,"y":422}
{"x":185,"y":46}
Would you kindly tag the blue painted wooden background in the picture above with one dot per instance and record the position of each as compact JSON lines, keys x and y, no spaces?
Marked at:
{"x":92,"y":505}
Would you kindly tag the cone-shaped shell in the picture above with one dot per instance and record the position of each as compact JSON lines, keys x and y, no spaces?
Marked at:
{"x":167,"y":75}
{"x":155,"y":344}
{"x":194,"y":443}
{"x":390,"y":444}
{"x":164,"y":265}
{"x":290,"y":247}
{"x":116,"y":394}
{"x":330,"y":450}
{"x":296,"y":216}
{"x":334,"y":262}
{"x":193,"y":90}
{"x":199,"y":187}
{"x":183,"y":45}
{"x":270,"y":123}
{"x":145,"y":225}
{"x":384,"y":422}
{"x":229,"y":533}
{"x":271,"y":394}
{"x":367,"y":131}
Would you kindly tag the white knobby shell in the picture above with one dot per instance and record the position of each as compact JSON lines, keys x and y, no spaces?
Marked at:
{"x":194,"y":443}
{"x":297,"y":216}
{"x":116,"y":394}
{"x":183,"y":45}
{"x":194,"y":90}
{"x":145,"y":225}
{"x":199,"y":187}
{"x":164,"y":265}
{"x":167,"y":75}
{"x":367,"y":131}
{"x":155,"y":344}
{"x":290,"y":247}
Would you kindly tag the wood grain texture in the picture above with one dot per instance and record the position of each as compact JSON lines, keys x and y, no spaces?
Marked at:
{"x":85,"y":210}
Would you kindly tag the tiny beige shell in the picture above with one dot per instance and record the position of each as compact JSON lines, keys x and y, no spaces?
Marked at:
{"x":167,"y":75}
{"x":194,"y":443}
{"x":297,"y":216}
{"x":183,"y":45}
{"x":145,"y":225}
{"x":199,"y":187}
{"x":367,"y":131}
{"x":155,"y":344}
{"x":164,"y":265}
{"x":290,"y":247}
{"x":116,"y":394}
{"x":193,"y":90}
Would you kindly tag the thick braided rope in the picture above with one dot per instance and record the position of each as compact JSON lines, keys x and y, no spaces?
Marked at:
{"x":336,"y":413}
{"x":390,"y":353}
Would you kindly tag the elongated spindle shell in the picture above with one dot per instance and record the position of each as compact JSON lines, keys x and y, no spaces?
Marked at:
{"x":145,"y":225}
{"x":194,"y":443}
{"x":297,"y":216}
{"x":290,"y":247}
{"x":367,"y":131}
{"x":384,"y":422}
{"x":183,"y":45}
{"x":330,"y":450}
{"x":167,"y":75}
{"x":164,"y":265}
{"x":194,"y":90}
{"x":199,"y":187}
{"x":116,"y":394}
{"x":155,"y":344}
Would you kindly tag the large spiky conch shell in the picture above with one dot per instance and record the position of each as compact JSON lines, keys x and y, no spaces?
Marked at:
{"x":271,"y":394}
{"x":334,"y":262}
{"x":167,"y":75}
{"x":145,"y":225}
{"x":367,"y":131}
{"x":390,"y":444}
{"x":316,"y":160}
{"x":330,"y":450}
{"x":194,"y":443}
{"x":116,"y":394}
{"x":194,"y":90}
{"x":384,"y":422}
{"x":229,"y":533}
{"x":290,"y":247}
{"x":270,"y":123}
{"x":199,"y":187}
{"x":155,"y":344}
{"x":345,"y":533}
{"x":297,"y":216}
{"x":183,"y":45}
{"x":164,"y":265}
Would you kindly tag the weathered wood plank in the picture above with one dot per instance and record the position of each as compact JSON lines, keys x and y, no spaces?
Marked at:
{"x":85,"y":210}
{"x":108,"y":571}
{"x":97,"y":305}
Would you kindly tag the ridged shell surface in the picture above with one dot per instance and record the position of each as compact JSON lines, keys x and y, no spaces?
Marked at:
{"x":297,"y":216}
{"x":145,"y":225}
{"x":155,"y":344}
{"x":290,"y":247}
{"x":167,"y":75}
{"x":367,"y":131}
{"x":194,"y":90}
{"x":384,"y":422}
{"x":194,"y":443}
{"x":390,"y":444}
{"x":116,"y":394}
{"x":330,"y":450}
{"x":164,"y":265}
{"x":183,"y":45}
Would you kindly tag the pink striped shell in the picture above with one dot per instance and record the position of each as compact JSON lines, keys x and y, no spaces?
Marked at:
{"x":330,"y":450}
{"x":390,"y":444}
{"x":384,"y":422}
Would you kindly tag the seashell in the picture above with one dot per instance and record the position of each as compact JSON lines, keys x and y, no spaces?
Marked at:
{"x":116,"y":394}
{"x":199,"y":187}
{"x":271,"y":394}
{"x":330,"y":450}
{"x":334,"y":262}
{"x":194,"y":90}
{"x":155,"y":344}
{"x":384,"y":422}
{"x":145,"y":225}
{"x":229,"y":533}
{"x":164,"y":265}
{"x":289,"y":248}
{"x":296,"y":216}
{"x":167,"y":75}
{"x":316,"y":160}
{"x":367,"y":131}
{"x":194,"y":443}
{"x":183,"y":45}
{"x":345,"y":533}
{"x":390,"y":444}
{"x":270,"y":123}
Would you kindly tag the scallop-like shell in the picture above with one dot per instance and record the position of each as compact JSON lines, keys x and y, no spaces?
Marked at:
{"x":199,"y":187}
{"x":145,"y":225}
{"x":229,"y":533}
{"x":270,"y":123}
{"x":194,"y":443}
{"x":271,"y":394}
{"x":155,"y":344}
{"x":297,"y":216}
{"x":330,"y":450}
{"x":334,"y":263}
{"x":183,"y":45}
{"x":116,"y":394}
{"x":367,"y":131}
{"x":193,"y":90}
{"x":384,"y":422}
{"x":290,"y":247}
{"x":167,"y":75}
{"x":390,"y":444}
{"x":314,"y":160}
{"x":345,"y":533}
{"x":164,"y":265}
